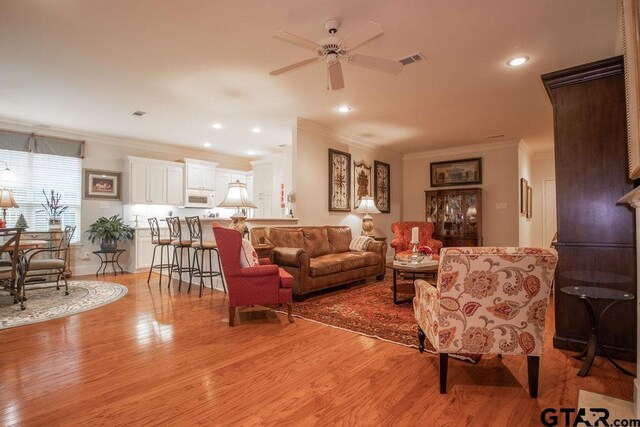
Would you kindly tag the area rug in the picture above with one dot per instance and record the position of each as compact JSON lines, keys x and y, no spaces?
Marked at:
{"x":369,"y":310}
{"x":48,"y":303}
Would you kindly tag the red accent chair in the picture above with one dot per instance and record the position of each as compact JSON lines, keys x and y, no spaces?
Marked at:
{"x":264,"y":284}
{"x":402,"y":242}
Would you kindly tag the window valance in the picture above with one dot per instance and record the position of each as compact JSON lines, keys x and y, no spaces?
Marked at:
{"x":42,"y":144}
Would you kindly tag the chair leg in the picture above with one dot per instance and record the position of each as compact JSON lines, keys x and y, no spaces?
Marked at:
{"x":444,"y":364}
{"x":533,"y":368}
{"x":202,"y":271}
{"x":289,"y":316}
{"x":224,"y":285}
{"x":161,"y":263}
{"x":232,"y":315}
{"x":211,"y":268}
{"x":421,"y":338}
{"x":191,"y":263}
{"x":174,"y":260}
{"x":180,"y":265}
{"x":153,"y":259}
{"x":66,"y":284}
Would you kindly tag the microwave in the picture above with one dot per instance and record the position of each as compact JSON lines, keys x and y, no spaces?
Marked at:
{"x":199,"y":199}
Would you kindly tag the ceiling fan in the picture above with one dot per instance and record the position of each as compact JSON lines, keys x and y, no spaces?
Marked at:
{"x":333,"y":48}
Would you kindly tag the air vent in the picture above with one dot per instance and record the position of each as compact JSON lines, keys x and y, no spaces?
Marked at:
{"x":138,"y":113}
{"x":495,"y":136}
{"x":411,"y":59}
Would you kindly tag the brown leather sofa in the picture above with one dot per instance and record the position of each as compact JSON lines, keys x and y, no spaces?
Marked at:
{"x":319,"y":257}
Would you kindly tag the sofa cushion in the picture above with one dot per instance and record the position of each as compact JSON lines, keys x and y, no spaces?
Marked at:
{"x":353,"y":261}
{"x":248,"y":255}
{"x":372,"y":258}
{"x":339,"y":239}
{"x":324,"y":265}
{"x":287,"y":237}
{"x":316,"y":241}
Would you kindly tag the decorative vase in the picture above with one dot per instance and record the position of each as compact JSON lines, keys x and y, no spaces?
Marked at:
{"x":108,"y":245}
{"x":55,"y":224}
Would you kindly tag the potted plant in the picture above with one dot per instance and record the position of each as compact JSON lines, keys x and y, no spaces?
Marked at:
{"x":53,"y":209}
{"x":108,"y":231}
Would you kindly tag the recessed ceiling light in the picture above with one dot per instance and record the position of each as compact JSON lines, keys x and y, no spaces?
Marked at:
{"x":256,"y":130}
{"x":217,"y":125}
{"x":251,"y":152}
{"x":518,"y":60}
{"x":343,"y":109}
{"x":207,"y":144}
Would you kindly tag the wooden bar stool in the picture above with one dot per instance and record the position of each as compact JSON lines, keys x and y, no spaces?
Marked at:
{"x":179,"y":245}
{"x":158,"y":242}
{"x":202,"y":247}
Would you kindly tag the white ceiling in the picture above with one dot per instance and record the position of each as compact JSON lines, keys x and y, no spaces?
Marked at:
{"x":86,"y":65}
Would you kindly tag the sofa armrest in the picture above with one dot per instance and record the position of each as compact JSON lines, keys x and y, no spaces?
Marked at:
{"x":260,"y":270}
{"x":435,"y":245}
{"x":264,"y":261}
{"x":376,"y":246}
{"x":290,"y":257}
{"x":398,"y":244}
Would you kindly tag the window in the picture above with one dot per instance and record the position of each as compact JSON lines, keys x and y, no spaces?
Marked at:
{"x":37,"y":172}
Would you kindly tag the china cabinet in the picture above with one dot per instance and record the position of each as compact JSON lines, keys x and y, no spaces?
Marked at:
{"x":456,"y":216}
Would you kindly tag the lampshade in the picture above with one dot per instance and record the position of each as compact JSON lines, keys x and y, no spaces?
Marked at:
{"x":7,"y":200}
{"x":367,"y":206}
{"x":237,"y":197}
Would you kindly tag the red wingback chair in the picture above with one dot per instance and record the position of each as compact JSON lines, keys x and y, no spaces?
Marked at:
{"x":262,"y":285}
{"x":402,"y":242}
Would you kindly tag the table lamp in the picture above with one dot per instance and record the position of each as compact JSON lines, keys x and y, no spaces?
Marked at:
{"x":367,"y":206}
{"x":6,"y":201}
{"x":7,"y":175}
{"x":237,"y":197}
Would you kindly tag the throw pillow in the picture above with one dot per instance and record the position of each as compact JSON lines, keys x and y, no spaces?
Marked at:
{"x":248,"y":255}
{"x":360,"y":243}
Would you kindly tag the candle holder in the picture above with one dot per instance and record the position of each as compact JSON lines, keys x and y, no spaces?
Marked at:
{"x":415,"y":255}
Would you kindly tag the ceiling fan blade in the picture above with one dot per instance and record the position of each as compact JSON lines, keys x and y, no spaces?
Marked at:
{"x":297,"y":40}
{"x":294,"y":66}
{"x":378,"y":64}
{"x":362,"y":35}
{"x":335,"y":75}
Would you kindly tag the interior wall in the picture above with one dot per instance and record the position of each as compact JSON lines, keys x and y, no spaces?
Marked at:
{"x":107,"y":154}
{"x":524,"y":171}
{"x":500,"y":188}
{"x":311,"y":178}
{"x":543,"y":167}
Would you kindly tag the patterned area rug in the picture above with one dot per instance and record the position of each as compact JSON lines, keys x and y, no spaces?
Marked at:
{"x":369,"y":310}
{"x":48,"y":303}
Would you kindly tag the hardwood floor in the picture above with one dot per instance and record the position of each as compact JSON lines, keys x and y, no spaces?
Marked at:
{"x":160,"y":357}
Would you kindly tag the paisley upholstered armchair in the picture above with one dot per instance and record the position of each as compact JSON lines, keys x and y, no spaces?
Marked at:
{"x":488,"y":300}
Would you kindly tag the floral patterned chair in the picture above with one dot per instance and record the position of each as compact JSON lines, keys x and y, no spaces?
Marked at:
{"x":488,"y":300}
{"x":402,"y":240}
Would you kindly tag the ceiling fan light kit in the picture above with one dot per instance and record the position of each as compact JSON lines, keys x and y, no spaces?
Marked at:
{"x":333,"y":48}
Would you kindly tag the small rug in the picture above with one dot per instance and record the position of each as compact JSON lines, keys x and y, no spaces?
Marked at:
{"x":48,"y":303}
{"x":369,"y":310}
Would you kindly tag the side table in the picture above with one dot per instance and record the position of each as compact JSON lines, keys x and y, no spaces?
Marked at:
{"x":109,"y":257}
{"x":587,"y":295}
{"x":264,"y":250}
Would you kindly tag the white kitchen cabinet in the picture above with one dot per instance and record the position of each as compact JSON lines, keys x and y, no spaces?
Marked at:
{"x":200,"y":175}
{"x":144,"y":249}
{"x":146,"y":181}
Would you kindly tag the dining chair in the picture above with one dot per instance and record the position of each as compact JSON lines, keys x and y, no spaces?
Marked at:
{"x":9,"y":241}
{"x":202,"y":247}
{"x":158,"y":242}
{"x":179,"y":245}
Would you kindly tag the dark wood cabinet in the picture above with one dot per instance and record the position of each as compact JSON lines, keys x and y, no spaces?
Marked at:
{"x":595,"y":233}
{"x":456,"y":215}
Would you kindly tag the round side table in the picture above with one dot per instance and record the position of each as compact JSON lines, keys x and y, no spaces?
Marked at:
{"x":109,"y":257}
{"x":588,"y":295}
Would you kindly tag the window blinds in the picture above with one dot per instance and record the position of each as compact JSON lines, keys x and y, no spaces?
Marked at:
{"x":34,"y":143}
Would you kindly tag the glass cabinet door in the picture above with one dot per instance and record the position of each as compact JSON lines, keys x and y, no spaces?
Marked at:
{"x":432,"y":208}
{"x":451,"y":215}
{"x":471,"y":214}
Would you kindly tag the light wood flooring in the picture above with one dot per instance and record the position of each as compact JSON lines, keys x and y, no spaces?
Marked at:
{"x":160,"y":357}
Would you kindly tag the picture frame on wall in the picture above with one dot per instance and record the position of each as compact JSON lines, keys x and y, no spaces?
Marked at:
{"x":102,"y":185}
{"x":524,"y":184}
{"x":529,"y":202}
{"x":339,"y":181}
{"x":382,"y":186}
{"x":361,"y":182}
{"x":456,"y":172}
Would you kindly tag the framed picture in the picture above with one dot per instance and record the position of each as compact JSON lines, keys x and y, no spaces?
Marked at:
{"x":631,"y":48}
{"x":361,"y":182}
{"x":524,"y":184}
{"x":456,"y":172}
{"x":529,"y":202}
{"x":105,"y":185}
{"x":382,"y":186}
{"x":339,"y":181}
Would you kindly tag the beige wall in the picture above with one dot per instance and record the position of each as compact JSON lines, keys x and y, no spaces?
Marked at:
{"x":311,"y":177}
{"x":543,"y":168}
{"x":500,"y":184}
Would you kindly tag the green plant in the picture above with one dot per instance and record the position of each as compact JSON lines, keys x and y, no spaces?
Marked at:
{"x":52,"y":207}
{"x":109,"y":230}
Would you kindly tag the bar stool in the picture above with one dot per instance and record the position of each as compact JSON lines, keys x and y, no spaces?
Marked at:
{"x":158,"y":243}
{"x":195,"y":232}
{"x":179,"y":245}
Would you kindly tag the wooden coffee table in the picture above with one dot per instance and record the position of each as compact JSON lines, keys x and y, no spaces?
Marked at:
{"x":428,"y":270}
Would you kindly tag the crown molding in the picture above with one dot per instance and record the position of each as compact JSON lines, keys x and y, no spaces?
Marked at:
{"x":463,"y":149}
{"x":543,"y":155}
{"x":345,"y":138}
{"x":122,"y":142}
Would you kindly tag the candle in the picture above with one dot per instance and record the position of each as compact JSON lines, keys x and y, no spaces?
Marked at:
{"x":414,"y":234}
